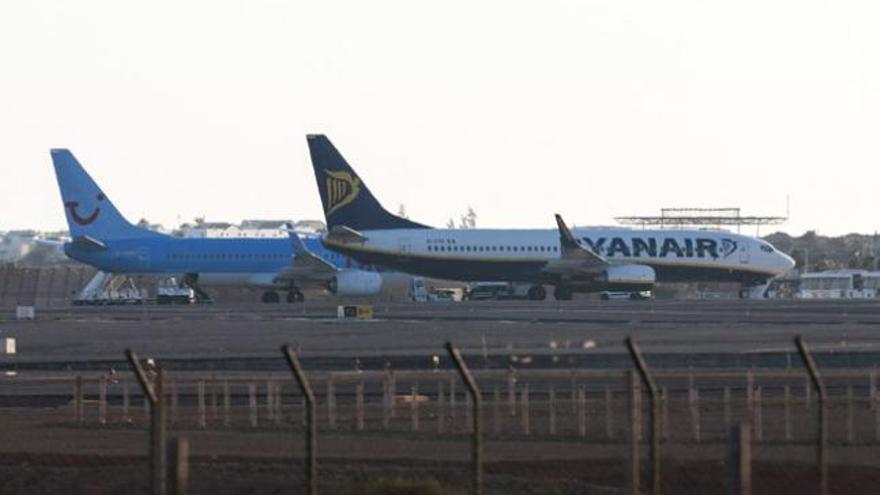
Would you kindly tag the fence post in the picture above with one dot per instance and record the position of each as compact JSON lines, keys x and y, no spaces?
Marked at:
{"x":203,"y":416}
{"x":441,"y":409}
{"x":392,"y":391}
{"x":726,"y":408}
{"x":215,"y":410}
{"x":102,"y":400}
{"x":695,"y":412}
{"x":477,"y":402}
{"x":822,"y":426}
{"x":664,"y":422}
{"x":849,"y":414}
{"x":552,"y":410}
{"x":126,"y":402}
{"x":387,"y":399}
{"x":78,"y":399}
{"x":359,"y":404}
{"x":759,"y":414}
{"x":252,"y":403}
{"x":635,"y":419}
{"x":808,"y":389}
{"x":178,"y":465}
{"x":786,"y":411}
{"x":876,"y":422}
{"x":311,"y":419}
{"x":227,"y":404}
{"x":582,"y":411}
{"x":524,"y":403}
{"x":872,"y":388}
{"x":467,"y":413}
{"x":174,"y":401}
{"x":331,"y":403}
{"x":609,"y":425}
{"x":496,"y":409}
{"x":414,"y":407}
{"x":278,"y":402}
{"x":648,"y":380}
{"x":270,"y":399}
{"x":511,"y":391}
{"x":153,"y":391}
{"x":738,"y":468}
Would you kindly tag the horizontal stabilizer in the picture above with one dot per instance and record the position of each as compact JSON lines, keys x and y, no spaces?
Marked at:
{"x":89,"y":243}
{"x":341,"y":234}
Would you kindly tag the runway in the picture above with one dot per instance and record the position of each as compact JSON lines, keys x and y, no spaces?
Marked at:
{"x":588,"y":334}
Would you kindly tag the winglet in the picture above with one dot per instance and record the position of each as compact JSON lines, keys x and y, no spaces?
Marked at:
{"x":569,"y":247}
{"x":566,"y":238}
{"x":299,"y":247}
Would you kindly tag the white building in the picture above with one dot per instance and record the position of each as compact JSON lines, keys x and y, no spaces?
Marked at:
{"x":252,"y":229}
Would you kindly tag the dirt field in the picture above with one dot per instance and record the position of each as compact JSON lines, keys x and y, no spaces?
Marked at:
{"x":710,"y":346}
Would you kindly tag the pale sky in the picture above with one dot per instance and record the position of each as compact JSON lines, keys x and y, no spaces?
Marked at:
{"x":592,"y":109}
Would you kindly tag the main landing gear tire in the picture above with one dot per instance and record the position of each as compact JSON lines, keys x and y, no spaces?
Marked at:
{"x":537,"y":293}
{"x":295,"y":296}
{"x":563,"y":293}
{"x":270,"y":297}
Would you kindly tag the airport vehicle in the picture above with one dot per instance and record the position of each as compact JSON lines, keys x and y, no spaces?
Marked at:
{"x":103,"y":238}
{"x":170,"y":292}
{"x":444,"y":295}
{"x":587,"y":259}
{"x":634,"y":295}
{"x":839,"y":284}
{"x":480,"y":291}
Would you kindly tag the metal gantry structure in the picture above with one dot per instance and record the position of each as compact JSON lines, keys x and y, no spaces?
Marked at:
{"x":701,"y":218}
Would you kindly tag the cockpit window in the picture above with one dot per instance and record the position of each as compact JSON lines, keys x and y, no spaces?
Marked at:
{"x":766,"y":248}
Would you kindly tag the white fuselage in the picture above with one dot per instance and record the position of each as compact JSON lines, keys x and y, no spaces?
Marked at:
{"x":521,"y":255}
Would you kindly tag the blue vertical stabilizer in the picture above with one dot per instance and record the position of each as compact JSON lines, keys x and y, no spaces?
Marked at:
{"x":89,"y":212}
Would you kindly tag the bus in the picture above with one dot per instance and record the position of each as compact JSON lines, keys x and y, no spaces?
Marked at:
{"x":839,"y":284}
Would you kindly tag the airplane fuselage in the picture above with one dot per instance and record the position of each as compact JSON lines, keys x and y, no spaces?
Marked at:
{"x":234,"y":262}
{"x":522,"y":255}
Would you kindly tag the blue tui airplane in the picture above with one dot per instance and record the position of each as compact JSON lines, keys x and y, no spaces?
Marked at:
{"x":103,"y":238}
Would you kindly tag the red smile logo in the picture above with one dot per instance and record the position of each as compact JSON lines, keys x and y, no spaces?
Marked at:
{"x":79,"y":219}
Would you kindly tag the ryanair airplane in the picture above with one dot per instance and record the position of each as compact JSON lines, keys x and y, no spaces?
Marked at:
{"x":103,"y":238}
{"x":579,"y":260}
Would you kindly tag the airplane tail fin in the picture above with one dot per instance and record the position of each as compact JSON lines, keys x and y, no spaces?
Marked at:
{"x":89,"y":212}
{"x":346,"y":199}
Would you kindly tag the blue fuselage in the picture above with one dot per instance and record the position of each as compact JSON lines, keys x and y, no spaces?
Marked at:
{"x":246,"y":261}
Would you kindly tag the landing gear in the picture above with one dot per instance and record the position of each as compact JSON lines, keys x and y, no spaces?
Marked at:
{"x":537,"y":293}
{"x":295,"y":296}
{"x":270,"y":297}
{"x":563,"y":293}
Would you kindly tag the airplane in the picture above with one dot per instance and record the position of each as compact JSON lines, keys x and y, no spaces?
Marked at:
{"x":100,"y":236}
{"x":579,"y":260}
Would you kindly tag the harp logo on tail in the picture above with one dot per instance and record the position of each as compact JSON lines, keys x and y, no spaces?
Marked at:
{"x":342,"y":189}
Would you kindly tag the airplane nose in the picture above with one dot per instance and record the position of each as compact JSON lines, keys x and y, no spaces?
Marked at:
{"x":786,"y":261}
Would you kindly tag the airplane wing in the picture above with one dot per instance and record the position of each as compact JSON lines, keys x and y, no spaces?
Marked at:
{"x":575,"y":259}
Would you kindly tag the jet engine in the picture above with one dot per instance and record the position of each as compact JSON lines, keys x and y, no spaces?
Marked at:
{"x":355,"y":283}
{"x":631,"y":277}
